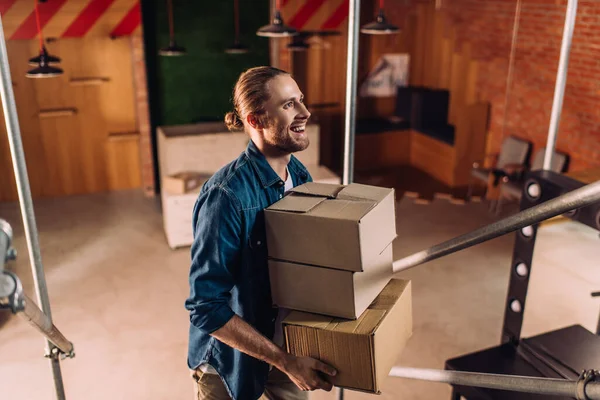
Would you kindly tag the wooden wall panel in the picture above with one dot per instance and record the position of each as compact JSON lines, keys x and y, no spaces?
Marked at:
{"x":433,"y":157}
{"x":470,"y":140}
{"x":66,"y":121}
{"x":322,"y":78}
{"x":26,"y":101}
{"x":123,"y":166}
{"x":435,"y":62}
{"x":382,"y":150}
{"x":63,"y":173}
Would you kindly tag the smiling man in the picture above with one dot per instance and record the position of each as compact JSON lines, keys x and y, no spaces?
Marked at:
{"x":235,"y":343}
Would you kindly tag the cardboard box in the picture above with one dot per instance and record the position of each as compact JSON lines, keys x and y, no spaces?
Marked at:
{"x":333,"y":292}
{"x":363,"y":351}
{"x":336,"y":226}
{"x":184,"y":182}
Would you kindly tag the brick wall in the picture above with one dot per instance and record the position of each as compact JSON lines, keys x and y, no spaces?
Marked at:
{"x":488,"y":26}
{"x":143,"y":117}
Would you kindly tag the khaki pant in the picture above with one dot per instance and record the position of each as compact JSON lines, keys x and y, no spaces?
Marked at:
{"x":279,"y":387}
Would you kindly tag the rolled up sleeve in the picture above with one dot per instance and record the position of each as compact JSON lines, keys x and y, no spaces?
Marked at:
{"x":215,"y":253}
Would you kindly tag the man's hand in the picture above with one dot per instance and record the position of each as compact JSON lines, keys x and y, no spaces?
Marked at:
{"x":308,"y":373}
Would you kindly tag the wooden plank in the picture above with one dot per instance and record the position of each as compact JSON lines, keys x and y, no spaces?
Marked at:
{"x":471,"y":137}
{"x":88,"y":81}
{"x":433,"y":157}
{"x":123,"y":164}
{"x":411,"y":43}
{"x":437,"y":48}
{"x":382,"y":150}
{"x":471,"y":95}
{"x":57,"y":112}
{"x":445,"y":76}
{"x":61,"y":142}
{"x":93,"y":128}
{"x":430,"y":56}
{"x":460,"y":62}
{"x":420,"y":46}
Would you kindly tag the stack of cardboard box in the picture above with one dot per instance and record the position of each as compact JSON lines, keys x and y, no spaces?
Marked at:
{"x":330,"y":259}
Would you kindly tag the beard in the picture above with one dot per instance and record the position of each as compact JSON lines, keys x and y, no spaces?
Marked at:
{"x":281,"y":138}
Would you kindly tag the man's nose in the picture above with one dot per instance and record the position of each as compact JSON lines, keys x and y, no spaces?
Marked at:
{"x":304,"y":111}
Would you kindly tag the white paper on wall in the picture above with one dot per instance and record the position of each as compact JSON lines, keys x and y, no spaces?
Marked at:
{"x":390,"y":72}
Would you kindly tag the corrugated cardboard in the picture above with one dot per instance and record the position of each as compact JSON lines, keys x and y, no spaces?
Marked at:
{"x":362,"y":351}
{"x":184,"y":182}
{"x":329,"y":291}
{"x":336,"y":226}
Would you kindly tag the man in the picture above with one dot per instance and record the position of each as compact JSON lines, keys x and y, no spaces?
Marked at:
{"x":233,"y":323}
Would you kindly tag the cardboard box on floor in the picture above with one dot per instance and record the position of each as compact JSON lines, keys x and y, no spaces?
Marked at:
{"x":335,"y":226}
{"x":362,"y":351}
{"x":329,"y":291}
{"x":184,"y":182}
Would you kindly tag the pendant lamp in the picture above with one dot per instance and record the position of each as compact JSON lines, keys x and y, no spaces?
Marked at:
{"x":51,"y":60}
{"x":277,"y":28}
{"x":42,"y":62}
{"x":298,"y":43}
{"x":380,"y":26}
{"x":172,"y":49}
{"x":236,"y":47}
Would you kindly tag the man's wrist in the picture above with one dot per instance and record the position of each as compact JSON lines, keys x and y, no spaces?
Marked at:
{"x":282,"y":360}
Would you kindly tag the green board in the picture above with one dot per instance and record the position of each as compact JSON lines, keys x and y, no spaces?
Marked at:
{"x":197,"y":87}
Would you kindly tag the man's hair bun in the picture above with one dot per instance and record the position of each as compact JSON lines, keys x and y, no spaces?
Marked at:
{"x":233,"y":122}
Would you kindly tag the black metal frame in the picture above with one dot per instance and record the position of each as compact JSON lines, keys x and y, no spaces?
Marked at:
{"x":551,"y":185}
{"x":525,"y":354}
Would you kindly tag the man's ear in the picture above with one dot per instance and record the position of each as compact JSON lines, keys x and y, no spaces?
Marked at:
{"x":253,"y":121}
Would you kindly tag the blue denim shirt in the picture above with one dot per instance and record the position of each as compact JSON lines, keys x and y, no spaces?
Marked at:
{"x":229,"y":273}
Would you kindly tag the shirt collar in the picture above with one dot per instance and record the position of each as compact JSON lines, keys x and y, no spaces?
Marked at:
{"x":266,"y":174}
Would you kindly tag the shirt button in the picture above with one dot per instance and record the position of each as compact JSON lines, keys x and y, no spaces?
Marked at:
{"x":259,"y":242}
{"x":280,"y":196}
{"x":280,"y":183}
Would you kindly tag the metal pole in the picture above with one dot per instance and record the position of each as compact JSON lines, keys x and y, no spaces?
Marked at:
{"x":561,"y":81}
{"x":525,"y":384}
{"x":511,"y":64}
{"x":26,"y":203}
{"x":596,"y":294}
{"x":350,"y":115}
{"x":42,"y":323}
{"x":351,"y":83}
{"x":577,"y":198}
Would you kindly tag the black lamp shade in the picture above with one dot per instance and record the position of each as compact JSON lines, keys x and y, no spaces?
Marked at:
{"x":50,"y":60}
{"x":298,"y":45}
{"x":172,"y":50}
{"x":380,"y":26}
{"x":236,"y":48}
{"x":44,"y":71}
{"x":277,"y":28}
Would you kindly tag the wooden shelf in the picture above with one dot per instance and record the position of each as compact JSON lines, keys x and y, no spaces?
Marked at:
{"x":88,"y":81}
{"x":57,"y":112}
{"x":115,"y":136}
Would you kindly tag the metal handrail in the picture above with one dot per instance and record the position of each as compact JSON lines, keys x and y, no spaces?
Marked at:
{"x":573,"y":200}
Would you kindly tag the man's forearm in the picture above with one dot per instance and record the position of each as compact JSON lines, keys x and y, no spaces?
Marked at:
{"x":240,"y":335}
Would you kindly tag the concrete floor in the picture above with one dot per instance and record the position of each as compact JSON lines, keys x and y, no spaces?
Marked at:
{"x":117,"y":293}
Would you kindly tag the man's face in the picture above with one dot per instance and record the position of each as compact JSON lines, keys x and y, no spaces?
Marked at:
{"x":286,"y":116}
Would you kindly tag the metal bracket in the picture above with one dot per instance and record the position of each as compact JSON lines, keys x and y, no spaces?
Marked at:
{"x":590,"y":375}
{"x":56,"y":354}
{"x":11,"y":292}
